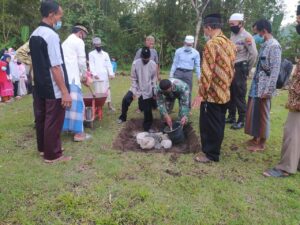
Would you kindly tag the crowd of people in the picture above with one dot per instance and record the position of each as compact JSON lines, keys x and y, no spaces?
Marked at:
{"x":60,"y":70}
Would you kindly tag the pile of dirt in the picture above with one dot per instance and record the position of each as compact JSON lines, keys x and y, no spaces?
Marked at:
{"x":126,"y":140}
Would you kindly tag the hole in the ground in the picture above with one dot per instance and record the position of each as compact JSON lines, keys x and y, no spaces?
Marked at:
{"x":126,"y":140}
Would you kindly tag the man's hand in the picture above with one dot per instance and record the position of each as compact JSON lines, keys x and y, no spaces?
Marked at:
{"x":183,"y":120}
{"x":66,"y":100}
{"x":196,"y":102}
{"x":111,"y":77}
{"x":168,"y":120}
{"x":96,"y":77}
{"x":266,"y":96}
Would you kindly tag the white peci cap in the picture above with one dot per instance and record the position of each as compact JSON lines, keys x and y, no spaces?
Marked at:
{"x":237,"y":17}
{"x":96,"y":41}
{"x":189,"y":39}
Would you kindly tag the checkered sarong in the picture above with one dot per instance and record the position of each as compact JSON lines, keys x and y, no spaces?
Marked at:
{"x":75,"y":115}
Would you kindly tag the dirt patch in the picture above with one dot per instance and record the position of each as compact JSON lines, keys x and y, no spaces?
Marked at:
{"x":126,"y":140}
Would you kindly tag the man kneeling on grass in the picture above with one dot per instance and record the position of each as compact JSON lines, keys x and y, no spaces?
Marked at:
{"x":167,"y":92}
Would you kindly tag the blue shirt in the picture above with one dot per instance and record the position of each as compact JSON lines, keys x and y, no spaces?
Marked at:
{"x":186,"y":60}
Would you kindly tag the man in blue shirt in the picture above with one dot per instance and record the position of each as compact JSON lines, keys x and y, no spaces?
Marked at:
{"x":186,"y":59}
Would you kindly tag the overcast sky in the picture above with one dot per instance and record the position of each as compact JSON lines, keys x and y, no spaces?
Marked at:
{"x":290,"y":11}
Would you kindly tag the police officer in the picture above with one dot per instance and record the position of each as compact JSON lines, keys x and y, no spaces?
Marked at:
{"x":245,"y":60}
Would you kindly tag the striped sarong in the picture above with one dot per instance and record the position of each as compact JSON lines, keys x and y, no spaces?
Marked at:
{"x":258,"y":117}
{"x":75,"y":115}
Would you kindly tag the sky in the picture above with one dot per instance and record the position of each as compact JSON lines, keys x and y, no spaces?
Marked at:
{"x":290,"y":11}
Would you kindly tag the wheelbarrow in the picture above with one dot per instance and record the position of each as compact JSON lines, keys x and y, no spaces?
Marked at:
{"x":93,"y":107}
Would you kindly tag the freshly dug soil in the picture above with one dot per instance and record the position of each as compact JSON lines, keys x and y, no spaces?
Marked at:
{"x":126,"y":140}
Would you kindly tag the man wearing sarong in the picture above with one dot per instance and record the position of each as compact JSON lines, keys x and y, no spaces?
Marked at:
{"x":75,"y":60}
{"x":263,"y":88}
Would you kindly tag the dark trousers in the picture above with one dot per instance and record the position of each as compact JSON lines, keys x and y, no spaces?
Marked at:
{"x":238,"y":91}
{"x":212,"y":125}
{"x":49,"y":118}
{"x":186,"y":77}
{"x":143,"y":105}
{"x":147,"y":105}
{"x":16,"y":86}
{"x":126,"y":102}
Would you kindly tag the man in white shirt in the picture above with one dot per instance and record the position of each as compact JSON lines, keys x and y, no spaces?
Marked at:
{"x":101,"y":70}
{"x":75,"y":61}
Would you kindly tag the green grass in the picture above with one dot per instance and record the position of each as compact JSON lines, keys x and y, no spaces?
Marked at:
{"x":105,"y":186}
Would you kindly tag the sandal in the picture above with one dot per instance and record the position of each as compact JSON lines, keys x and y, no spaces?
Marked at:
{"x":256,"y":148}
{"x":202,"y":159}
{"x":275,"y":173}
{"x":82,"y":137}
{"x":60,"y":159}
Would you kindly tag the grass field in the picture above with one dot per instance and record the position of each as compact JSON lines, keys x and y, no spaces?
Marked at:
{"x":105,"y":186}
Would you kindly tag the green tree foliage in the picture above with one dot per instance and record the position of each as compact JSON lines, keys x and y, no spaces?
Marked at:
{"x":123,"y":24}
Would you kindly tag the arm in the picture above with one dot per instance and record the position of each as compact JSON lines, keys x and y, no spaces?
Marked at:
{"x":252,"y":50}
{"x":209,"y":55}
{"x":92,"y":66}
{"x":66,"y":100}
{"x":134,"y":81}
{"x":184,"y":108}
{"x":175,"y":63}
{"x":81,"y":56}
{"x":109,"y":67}
{"x":275,"y":62}
{"x":197,"y":65}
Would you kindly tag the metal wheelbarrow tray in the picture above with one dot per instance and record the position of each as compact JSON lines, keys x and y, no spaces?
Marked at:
{"x":93,"y":107}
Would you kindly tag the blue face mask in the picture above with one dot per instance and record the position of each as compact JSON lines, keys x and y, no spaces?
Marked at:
{"x":188,"y":48}
{"x":58,"y":25}
{"x":258,"y":39}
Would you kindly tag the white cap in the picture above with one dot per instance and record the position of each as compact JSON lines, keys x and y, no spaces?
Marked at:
{"x":96,"y":41}
{"x":237,"y":17}
{"x":189,"y":39}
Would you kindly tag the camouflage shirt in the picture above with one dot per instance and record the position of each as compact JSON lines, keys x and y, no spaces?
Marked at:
{"x":180,"y":91}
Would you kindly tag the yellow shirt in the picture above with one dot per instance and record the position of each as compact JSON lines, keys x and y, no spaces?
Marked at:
{"x":217,"y":70}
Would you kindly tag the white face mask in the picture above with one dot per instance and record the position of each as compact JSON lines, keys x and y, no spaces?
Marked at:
{"x":3,"y":68}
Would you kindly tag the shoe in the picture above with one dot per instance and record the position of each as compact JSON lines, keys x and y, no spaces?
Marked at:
{"x":119,"y":121}
{"x":230,"y":120}
{"x":202,"y":159}
{"x":237,"y":126}
{"x":60,"y":159}
{"x":82,"y":137}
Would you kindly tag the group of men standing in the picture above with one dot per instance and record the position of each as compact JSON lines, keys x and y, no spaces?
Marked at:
{"x":59,"y":72}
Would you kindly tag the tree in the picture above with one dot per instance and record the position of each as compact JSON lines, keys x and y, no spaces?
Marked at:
{"x":199,"y":7}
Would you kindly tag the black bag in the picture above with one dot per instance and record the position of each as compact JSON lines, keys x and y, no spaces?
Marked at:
{"x":286,"y":68}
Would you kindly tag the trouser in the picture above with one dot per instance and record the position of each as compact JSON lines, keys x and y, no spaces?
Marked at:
{"x":238,"y":91}
{"x":147,"y":105}
{"x":16,"y":86}
{"x":290,"y":152}
{"x":187,"y":77}
{"x":126,"y":102}
{"x":49,"y":121}
{"x":212,"y":125}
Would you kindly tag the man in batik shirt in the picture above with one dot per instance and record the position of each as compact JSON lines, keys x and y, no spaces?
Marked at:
{"x":167,"y":92}
{"x":214,"y":87}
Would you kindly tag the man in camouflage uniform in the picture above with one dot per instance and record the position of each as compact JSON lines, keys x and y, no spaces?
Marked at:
{"x":167,"y":92}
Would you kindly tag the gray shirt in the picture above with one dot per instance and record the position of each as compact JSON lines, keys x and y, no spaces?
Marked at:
{"x":143,"y":78}
{"x":153,"y":56}
{"x":246,"y":47}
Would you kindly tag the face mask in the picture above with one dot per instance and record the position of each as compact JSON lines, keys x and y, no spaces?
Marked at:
{"x":298,"y":28}
{"x":206,"y":38}
{"x":3,"y":68}
{"x":258,"y":39}
{"x":145,"y":61}
{"x":187,"y":48}
{"x":18,"y":63}
{"x":98,"y":49}
{"x":58,"y":25}
{"x":235,"y":29}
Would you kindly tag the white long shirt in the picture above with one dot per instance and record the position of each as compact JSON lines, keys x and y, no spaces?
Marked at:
{"x":100,"y":65}
{"x":75,"y":58}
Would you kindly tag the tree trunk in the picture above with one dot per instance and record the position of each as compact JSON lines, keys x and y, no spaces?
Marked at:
{"x":198,"y":27}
